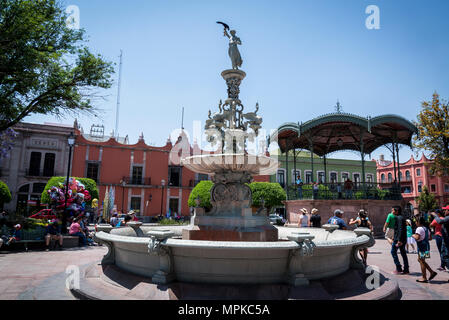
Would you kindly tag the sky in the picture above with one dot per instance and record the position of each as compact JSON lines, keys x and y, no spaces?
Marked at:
{"x":300,"y":57}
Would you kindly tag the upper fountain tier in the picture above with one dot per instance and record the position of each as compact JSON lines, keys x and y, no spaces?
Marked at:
{"x":229,"y":130}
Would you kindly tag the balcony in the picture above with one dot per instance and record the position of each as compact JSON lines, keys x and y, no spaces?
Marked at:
{"x":137,"y":181}
{"x":39,"y":173}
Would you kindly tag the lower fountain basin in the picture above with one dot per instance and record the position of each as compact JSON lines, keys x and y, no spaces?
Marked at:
{"x":228,"y":262}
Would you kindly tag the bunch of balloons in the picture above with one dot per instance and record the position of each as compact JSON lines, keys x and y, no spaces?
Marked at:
{"x":77,"y":196}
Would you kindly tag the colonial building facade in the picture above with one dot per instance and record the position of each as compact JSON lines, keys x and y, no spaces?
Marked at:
{"x":414,"y":175}
{"x":40,"y":152}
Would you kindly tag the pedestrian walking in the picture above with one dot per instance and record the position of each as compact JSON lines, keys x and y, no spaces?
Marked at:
{"x":399,"y":241}
{"x":389,"y":226}
{"x":438,"y":236}
{"x":410,"y":240}
{"x":445,"y":232}
{"x":422,"y":237}
{"x":362,"y":221}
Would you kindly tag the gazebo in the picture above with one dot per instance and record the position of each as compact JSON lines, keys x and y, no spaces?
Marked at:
{"x":343,"y":131}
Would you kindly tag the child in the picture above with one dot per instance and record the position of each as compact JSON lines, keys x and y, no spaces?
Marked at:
{"x":422,"y":236}
{"x":410,"y":240}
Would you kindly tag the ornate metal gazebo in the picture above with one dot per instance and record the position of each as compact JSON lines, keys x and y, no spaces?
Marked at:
{"x":343,"y":131}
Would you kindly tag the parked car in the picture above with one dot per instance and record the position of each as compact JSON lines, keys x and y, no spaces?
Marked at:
{"x":276,"y":219}
{"x":45,"y":214}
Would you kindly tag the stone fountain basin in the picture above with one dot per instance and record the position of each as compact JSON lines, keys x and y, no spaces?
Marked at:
{"x":235,"y":262}
{"x":212,"y":163}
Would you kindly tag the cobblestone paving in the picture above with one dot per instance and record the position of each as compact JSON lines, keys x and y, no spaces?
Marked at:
{"x":41,"y":275}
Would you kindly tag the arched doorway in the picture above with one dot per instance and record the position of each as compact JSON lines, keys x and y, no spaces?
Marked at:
{"x":29,"y":198}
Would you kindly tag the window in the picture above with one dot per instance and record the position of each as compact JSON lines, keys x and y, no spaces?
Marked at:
{"x":418,"y":172}
{"x":400,"y":175}
{"x":174,"y":176}
{"x":135,"y":204}
{"x":137,"y":175}
{"x":356,"y":179}
{"x":344,"y":176}
{"x":295,"y":175}
{"x":308,"y":177}
{"x":420,"y":186}
{"x":321,"y":176}
{"x":407,"y":175}
{"x":49,"y":165}
{"x":281,"y":178}
{"x":92,"y":171}
{"x":446,"y":188}
{"x":38,"y":187}
{"x":382,"y":178}
{"x":369,"y":178}
{"x":25,"y":188}
{"x":35,"y":164}
{"x":433,"y":188}
{"x":390,"y":178}
{"x":333,"y":177}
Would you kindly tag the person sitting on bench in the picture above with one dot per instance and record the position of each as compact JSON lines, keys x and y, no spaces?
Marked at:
{"x":53,"y":233}
{"x":16,"y":236}
{"x":75,"y":230}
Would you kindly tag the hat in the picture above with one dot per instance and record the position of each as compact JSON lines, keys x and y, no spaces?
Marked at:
{"x":17,"y":226}
{"x":131,"y":212}
{"x":338,"y":211}
{"x":314,"y":210}
{"x":304,"y":210}
{"x":446,"y":207}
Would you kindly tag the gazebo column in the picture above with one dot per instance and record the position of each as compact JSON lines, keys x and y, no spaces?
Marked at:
{"x":311,"y":161}
{"x":294,"y":164}
{"x":362,"y":153}
{"x":286,"y":169}
{"x":394,"y":163}
{"x":325,"y":169}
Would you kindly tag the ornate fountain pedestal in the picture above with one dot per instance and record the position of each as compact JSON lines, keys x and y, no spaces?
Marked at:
{"x":231,"y":218}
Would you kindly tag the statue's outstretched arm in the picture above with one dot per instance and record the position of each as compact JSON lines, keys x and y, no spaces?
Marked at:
{"x":226,"y":33}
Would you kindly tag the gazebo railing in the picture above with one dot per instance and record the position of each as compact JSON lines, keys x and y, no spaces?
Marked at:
{"x":331,"y":191}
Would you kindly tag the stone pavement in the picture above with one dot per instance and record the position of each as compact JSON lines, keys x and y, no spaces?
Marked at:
{"x":39,"y":275}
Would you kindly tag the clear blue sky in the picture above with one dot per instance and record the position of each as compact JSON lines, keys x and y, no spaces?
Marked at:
{"x":300,"y":57}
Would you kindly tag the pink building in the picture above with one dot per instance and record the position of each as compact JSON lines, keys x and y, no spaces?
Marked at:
{"x":414,"y":175}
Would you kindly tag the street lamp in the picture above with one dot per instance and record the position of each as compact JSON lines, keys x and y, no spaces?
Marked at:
{"x":123,"y":183}
{"x":162,"y":196}
{"x":71,"y":143}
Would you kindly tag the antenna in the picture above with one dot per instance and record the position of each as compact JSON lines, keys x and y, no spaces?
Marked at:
{"x":118,"y":95}
{"x":182,"y":122}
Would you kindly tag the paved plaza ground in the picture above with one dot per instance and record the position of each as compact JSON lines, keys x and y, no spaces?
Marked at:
{"x":40,"y":275}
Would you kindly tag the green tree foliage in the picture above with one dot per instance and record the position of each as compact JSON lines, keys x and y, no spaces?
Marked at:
{"x":89,"y":184}
{"x":45,"y":67}
{"x":201,"y":190}
{"x":433,"y":126}
{"x":272,"y":193}
{"x":5,"y":194}
{"x":426,"y":200}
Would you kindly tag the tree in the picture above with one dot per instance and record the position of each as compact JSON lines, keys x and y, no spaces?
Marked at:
{"x":202,"y":190}
{"x":44,"y":66}
{"x":433,"y":136}
{"x":426,"y":200}
{"x":272,"y":193}
{"x":5,"y":194}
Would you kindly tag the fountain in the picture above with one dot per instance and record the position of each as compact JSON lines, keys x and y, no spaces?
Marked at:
{"x":231,"y":244}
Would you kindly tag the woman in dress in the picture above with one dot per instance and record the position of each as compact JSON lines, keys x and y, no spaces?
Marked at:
{"x":233,"y":51}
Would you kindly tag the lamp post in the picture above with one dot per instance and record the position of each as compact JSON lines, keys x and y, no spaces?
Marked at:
{"x":71,"y":143}
{"x":123,"y":183}
{"x":162,"y":196}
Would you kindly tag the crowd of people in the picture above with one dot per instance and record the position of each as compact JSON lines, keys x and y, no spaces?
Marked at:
{"x":417,"y":232}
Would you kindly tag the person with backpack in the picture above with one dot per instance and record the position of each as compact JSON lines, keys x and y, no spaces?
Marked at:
{"x":362,"y":221}
{"x":445,"y":233}
{"x":422,"y":237}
